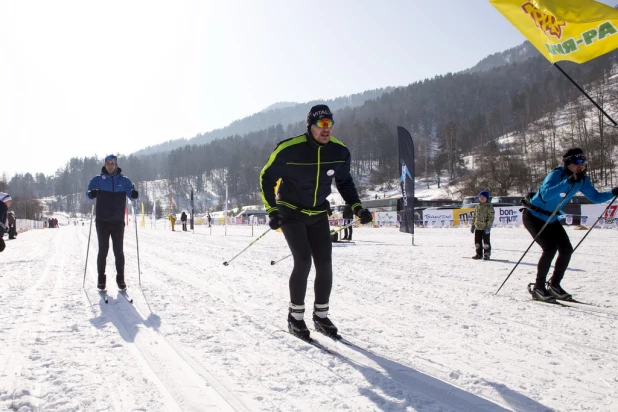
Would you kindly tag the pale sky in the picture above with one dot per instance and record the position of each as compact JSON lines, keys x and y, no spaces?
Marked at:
{"x":79,"y":78}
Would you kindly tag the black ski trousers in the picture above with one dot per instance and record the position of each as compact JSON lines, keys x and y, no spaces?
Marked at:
{"x":346,"y":234}
{"x":115,"y":230}
{"x":553,"y":239}
{"x":482,"y":242}
{"x":307,"y":237}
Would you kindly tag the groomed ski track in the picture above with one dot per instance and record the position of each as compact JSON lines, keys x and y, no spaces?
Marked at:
{"x":209,"y":337}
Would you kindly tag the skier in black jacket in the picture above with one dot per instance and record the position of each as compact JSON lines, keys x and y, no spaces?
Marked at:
{"x":12,"y":225}
{"x":183,"y":219}
{"x":348,"y":215}
{"x":307,"y":165}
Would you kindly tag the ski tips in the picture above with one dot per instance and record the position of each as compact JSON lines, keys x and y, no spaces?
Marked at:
{"x":225,"y":263}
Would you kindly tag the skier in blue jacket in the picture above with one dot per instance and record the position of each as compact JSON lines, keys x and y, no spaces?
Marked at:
{"x":110,"y":188}
{"x":559,"y":186}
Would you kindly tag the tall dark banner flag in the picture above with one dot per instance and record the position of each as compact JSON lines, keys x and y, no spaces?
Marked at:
{"x":192,"y":210}
{"x":406,"y":168}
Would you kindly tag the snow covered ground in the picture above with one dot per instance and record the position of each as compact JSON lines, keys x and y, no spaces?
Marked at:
{"x":204,"y":336}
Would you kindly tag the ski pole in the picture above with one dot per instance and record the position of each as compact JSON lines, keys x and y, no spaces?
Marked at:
{"x":88,"y":247}
{"x":274,"y":262}
{"x":534,"y":240}
{"x":227,"y":262}
{"x":344,"y":227}
{"x":595,"y":223}
{"x":139,"y":271}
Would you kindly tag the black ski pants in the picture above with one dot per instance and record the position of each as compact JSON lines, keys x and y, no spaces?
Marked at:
{"x":346,"y":234}
{"x":482,"y":242}
{"x":115,"y":230}
{"x":553,"y":239}
{"x":307,"y":237}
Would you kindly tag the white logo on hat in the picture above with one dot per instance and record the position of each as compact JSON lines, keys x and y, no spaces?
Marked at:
{"x":562,"y":194}
{"x":330,"y":172}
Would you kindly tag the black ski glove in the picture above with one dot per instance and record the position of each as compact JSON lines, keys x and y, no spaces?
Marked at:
{"x":2,"y":244}
{"x":134,"y":194}
{"x":275,"y":220}
{"x":615,"y":191}
{"x":472,"y":229}
{"x":93,"y":193}
{"x":364,"y":215}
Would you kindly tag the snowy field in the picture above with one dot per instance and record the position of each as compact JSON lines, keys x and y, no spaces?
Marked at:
{"x":205,"y":337}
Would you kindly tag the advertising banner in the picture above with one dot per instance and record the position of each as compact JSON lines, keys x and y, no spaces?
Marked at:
{"x":463,"y":217}
{"x":438,"y":217}
{"x":385,"y":218}
{"x":507,"y":216}
{"x":406,"y":165}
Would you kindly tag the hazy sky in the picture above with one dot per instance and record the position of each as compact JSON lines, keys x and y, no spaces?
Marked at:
{"x":81,"y":77}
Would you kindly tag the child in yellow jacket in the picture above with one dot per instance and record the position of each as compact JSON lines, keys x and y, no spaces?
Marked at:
{"x":482,"y":221}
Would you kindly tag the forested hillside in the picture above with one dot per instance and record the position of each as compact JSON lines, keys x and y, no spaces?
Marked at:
{"x":509,"y":122}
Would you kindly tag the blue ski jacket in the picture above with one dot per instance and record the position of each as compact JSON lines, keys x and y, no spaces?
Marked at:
{"x":556,"y":189}
{"x":111,"y":201}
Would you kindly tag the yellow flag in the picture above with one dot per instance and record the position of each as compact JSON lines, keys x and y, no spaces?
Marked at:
{"x":575,"y":30}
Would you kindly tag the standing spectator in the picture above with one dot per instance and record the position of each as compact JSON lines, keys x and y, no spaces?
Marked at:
{"x":5,"y":202}
{"x":183,"y":219}
{"x":482,"y":221}
{"x":307,"y":165}
{"x":348,"y":216}
{"x":111,"y":189}
{"x":209,"y":219}
{"x":12,"y":225}
{"x":172,"y":219}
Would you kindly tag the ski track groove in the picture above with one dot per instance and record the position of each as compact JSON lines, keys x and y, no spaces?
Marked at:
{"x":453,"y":311}
{"x":233,"y":302}
{"x":274,"y":330}
{"x":148,"y":359}
{"x":33,"y":302}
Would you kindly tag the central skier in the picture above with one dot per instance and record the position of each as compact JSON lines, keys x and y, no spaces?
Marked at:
{"x":307,"y":165}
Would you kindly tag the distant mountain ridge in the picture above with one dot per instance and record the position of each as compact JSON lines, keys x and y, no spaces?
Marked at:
{"x":286,"y":113}
{"x":515,"y":54}
{"x":283,"y":113}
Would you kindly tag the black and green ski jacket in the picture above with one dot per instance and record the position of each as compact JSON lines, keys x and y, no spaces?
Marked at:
{"x":306,"y":170}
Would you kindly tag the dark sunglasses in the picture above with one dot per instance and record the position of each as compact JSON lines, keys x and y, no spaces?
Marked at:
{"x":578,"y":159}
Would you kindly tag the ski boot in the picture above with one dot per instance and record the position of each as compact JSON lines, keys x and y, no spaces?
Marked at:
{"x":101,"y":282}
{"x":322,"y":323}
{"x":559,"y":293}
{"x":540,"y":293}
{"x":120,"y":282}
{"x":296,"y":323}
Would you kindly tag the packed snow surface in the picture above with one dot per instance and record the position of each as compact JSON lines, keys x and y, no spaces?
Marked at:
{"x":206,"y":337}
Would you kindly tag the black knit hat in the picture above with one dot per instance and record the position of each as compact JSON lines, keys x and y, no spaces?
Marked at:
{"x":320,"y":111}
{"x":573,"y":154}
